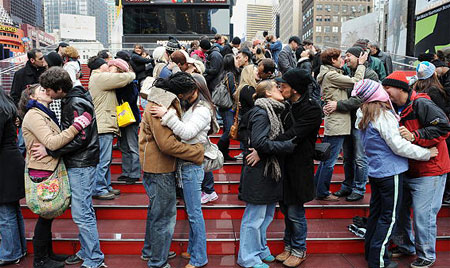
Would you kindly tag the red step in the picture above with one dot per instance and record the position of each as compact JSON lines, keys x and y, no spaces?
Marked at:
{"x":116,"y":236}
{"x":229,"y":261}
{"x":227,"y":206}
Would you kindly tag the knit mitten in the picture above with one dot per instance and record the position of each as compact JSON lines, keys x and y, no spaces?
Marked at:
{"x":82,"y":121}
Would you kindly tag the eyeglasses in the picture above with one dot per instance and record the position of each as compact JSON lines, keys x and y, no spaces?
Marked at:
{"x":41,"y":58}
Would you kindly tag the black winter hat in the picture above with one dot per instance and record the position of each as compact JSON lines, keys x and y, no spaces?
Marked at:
{"x":96,"y":63}
{"x":53,"y":59}
{"x":124,"y":55}
{"x":62,"y":44}
{"x":172,"y":45}
{"x":236,"y":41}
{"x":438,"y":63}
{"x":356,"y":51}
{"x":297,"y":78}
{"x":205,"y":44}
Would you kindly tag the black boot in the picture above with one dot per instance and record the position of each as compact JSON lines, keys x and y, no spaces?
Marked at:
{"x":53,"y":256}
{"x":41,"y":258}
{"x":224,"y":149}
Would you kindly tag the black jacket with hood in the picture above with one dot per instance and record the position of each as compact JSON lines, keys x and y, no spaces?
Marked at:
{"x":28,"y":75}
{"x":84,"y":149}
{"x":213,"y":67}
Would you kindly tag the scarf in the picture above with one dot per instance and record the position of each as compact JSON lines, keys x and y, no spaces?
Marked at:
{"x":38,"y":105}
{"x":273,"y":109}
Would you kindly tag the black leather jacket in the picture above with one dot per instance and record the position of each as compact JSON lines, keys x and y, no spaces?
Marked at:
{"x":84,"y":149}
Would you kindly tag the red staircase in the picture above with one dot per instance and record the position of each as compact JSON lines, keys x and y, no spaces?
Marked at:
{"x":121,"y":224}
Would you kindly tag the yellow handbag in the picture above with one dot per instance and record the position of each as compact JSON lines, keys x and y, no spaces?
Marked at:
{"x":125,"y":115}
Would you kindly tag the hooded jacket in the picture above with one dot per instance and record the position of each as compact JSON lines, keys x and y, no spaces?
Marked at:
{"x":158,"y":146}
{"x":286,"y":59}
{"x":386,"y":60}
{"x":213,"y":67}
{"x":334,"y":86}
{"x":430,"y":127}
{"x":83,"y":150}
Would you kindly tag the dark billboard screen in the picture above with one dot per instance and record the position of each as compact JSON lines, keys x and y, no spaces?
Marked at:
{"x":167,"y":2}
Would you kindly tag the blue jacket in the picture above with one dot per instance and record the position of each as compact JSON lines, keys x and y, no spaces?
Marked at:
{"x":275,"y":49}
{"x":387,"y":152}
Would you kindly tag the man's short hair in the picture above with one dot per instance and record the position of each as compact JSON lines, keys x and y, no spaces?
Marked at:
{"x":32,"y":53}
{"x":268,"y":64}
{"x":104,"y":54}
{"x":295,"y":39}
{"x":56,"y":78}
{"x":307,"y":42}
{"x":217,"y":37}
{"x":178,"y":57}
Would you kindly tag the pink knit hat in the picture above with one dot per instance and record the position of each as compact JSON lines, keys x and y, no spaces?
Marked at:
{"x":119,"y":63}
{"x":369,"y":91}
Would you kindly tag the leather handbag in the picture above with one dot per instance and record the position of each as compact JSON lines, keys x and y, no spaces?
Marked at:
{"x":213,"y":157}
{"x":322,"y":151}
{"x":235,"y":127}
{"x":48,"y":197}
{"x":221,"y":95}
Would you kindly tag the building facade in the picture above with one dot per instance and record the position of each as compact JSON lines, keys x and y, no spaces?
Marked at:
{"x":290,"y":19}
{"x":95,"y":8}
{"x":25,"y":11}
{"x":322,"y":20}
{"x":112,"y":16}
{"x":259,"y":19}
{"x":11,"y":40}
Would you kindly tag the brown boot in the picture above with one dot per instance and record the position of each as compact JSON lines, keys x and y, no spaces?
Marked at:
{"x":185,"y":255}
{"x":283,"y":256}
{"x":295,"y":259}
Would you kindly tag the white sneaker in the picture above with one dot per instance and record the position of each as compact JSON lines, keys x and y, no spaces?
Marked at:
{"x":209,"y":197}
{"x":239,"y":156}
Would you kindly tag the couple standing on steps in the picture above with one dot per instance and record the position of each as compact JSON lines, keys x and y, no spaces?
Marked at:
{"x":278,"y":167}
{"x":179,"y":108}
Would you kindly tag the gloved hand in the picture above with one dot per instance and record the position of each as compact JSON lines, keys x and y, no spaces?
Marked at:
{"x":82,"y":121}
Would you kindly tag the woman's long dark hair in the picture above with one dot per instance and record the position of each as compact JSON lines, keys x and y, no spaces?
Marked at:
{"x":178,"y":83}
{"x":7,"y":105}
{"x":425,"y":85}
{"x":29,"y":91}
{"x":229,"y":66}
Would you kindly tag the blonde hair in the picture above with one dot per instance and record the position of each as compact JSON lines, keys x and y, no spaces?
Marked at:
{"x":371,"y":111}
{"x":247,"y":77}
{"x":262,"y":88}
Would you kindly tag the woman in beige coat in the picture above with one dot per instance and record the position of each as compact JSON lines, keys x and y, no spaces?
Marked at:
{"x":338,"y":124}
{"x":40,"y":125}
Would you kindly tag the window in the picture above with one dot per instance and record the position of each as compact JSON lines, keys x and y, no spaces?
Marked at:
{"x":335,"y":29}
{"x":326,"y":38}
{"x":327,"y":18}
{"x":344,"y":8}
{"x":328,"y":8}
{"x":319,"y":18}
{"x":336,"y":8}
{"x":335,"y":18}
{"x":319,"y":7}
{"x":319,"y":39}
{"x":343,"y":19}
{"x":327,"y":29}
{"x":318,"y":29}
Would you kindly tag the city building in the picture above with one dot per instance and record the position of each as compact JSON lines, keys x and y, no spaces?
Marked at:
{"x":112,"y":16}
{"x":153,"y":21}
{"x":11,"y":40}
{"x":95,"y":8}
{"x":290,"y":19}
{"x":322,"y":20}
{"x":259,"y":18}
{"x":36,"y":37}
{"x":25,"y":11}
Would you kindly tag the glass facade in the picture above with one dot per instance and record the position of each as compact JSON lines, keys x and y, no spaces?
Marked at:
{"x":175,"y":20}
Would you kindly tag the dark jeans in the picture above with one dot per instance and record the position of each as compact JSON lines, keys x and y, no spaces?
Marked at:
{"x":355,"y":164}
{"x":161,"y":217}
{"x":227,"y":117}
{"x":12,"y":230}
{"x":385,"y":203}
{"x":128,"y":145}
{"x":43,"y":229}
{"x":295,"y":226}
{"x":208,"y":183}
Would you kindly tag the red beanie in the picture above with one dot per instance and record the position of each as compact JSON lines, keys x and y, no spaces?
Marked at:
{"x":397,"y":79}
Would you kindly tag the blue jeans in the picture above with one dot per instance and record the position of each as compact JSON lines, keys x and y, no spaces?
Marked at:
{"x":21,"y":142}
{"x":227,"y":117}
{"x":355,"y":164}
{"x":424,"y":196}
{"x":102,"y":172}
{"x":324,"y":172}
{"x":161,"y":217}
{"x":253,"y":238}
{"x":295,"y":226}
{"x":192,"y":177}
{"x":128,"y":144}
{"x":13,"y":245}
{"x":208,"y":183}
{"x":81,"y":184}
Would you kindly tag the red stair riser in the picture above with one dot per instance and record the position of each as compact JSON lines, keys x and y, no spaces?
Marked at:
{"x":216,"y":140}
{"x":220,"y":188}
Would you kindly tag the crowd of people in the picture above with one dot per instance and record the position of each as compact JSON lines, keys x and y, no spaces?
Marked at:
{"x":391,"y":130}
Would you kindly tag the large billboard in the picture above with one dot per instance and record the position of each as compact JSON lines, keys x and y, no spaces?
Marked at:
{"x":423,"y":6}
{"x":432,"y":29}
{"x":397,"y":23}
{"x":77,"y":27}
